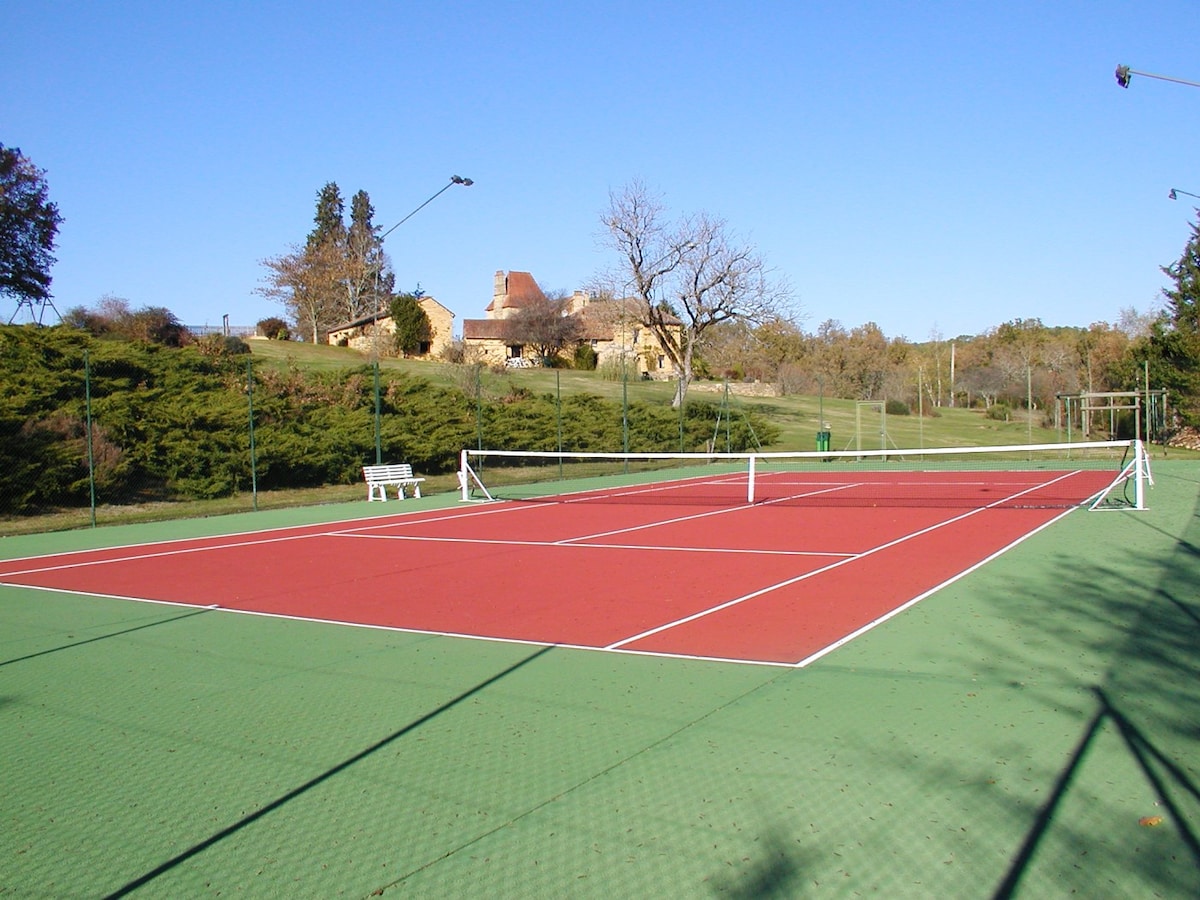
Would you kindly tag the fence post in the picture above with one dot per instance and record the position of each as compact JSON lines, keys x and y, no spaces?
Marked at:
{"x":478,"y":406}
{"x":682,"y":416}
{"x":253,"y":457}
{"x":378,"y":436}
{"x":87,"y":403}
{"x":558,"y":417}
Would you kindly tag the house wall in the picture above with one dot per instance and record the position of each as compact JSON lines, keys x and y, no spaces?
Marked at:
{"x":362,"y":336}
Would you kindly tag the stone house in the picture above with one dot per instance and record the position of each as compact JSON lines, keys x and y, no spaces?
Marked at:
{"x":613,"y":328}
{"x":362,"y":333}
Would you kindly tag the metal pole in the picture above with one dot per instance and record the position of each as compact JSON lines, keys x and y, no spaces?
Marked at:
{"x":1146,"y":376}
{"x":87,"y":392}
{"x":921,"y":408}
{"x":682,"y":445}
{"x":479,"y":406}
{"x":1029,"y":402}
{"x":253,"y":456}
{"x":454,"y":179}
{"x":728,"y":446}
{"x":625,"y":408}
{"x":821,"y":404}
{"x":378,"y":435}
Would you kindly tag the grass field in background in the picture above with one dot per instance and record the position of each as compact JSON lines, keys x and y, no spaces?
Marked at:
{"x":799,"y":418}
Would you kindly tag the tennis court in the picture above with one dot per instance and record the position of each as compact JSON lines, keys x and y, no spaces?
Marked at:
{"x":941,"y":686}
{"x":682,"y":567}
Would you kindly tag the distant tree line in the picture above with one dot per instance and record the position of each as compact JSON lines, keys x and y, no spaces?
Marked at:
{"x":1020,"y":363}
{"x":717,"y":310}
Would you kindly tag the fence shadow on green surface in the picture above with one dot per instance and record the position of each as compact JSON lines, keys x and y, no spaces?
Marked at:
{"x":148,"y":877}
{"x":104,"y":637}
{"x":1123,"y":608}
{"x":1159,"y":770}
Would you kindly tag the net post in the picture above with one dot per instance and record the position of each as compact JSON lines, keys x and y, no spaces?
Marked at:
{"x":1141,"y":469}
{"x":750,"y":479}
{"x":463,"y":477}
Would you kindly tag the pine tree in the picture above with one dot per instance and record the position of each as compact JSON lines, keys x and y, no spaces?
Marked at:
{"x":1183,"y":301}
{"x":366,"y":282}
{"x":1173,"y":351}
{"x":329,"y":223}
{"x":340,"y":275}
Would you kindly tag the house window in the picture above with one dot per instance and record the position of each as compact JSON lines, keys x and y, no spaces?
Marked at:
{"x":662,"y":361}
{"x":516,"y":351}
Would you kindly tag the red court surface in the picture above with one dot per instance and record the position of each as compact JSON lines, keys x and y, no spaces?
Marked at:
{"x":774,"y":582}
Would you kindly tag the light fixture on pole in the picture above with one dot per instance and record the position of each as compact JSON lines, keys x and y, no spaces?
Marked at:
{"x":1174,"y":192}
{"x":454,"y":179}
{"x":1125,"y":75}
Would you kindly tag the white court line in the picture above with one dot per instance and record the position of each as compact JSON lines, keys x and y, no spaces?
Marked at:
{"x":790,"y":581}
{"x":400,"y":629}
{"x":514,"y":543}
{"x":83,"y":564}
{"x":647,"y":525}
{"x":858,"y":632}
{"x":223,"y":544}
{"x":615,"y":647}
{"x":218,"y":542}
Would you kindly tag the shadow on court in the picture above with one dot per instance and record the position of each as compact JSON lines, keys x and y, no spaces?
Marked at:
{"x":274,"y":805}
{"x":104,"y":637}
{"x":1132,"y":613}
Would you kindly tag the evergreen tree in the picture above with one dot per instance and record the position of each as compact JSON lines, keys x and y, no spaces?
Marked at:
{"x":412,"y":324}
{"x":340,"y":274}
{"x":1183,"y":301}
{"x":365,"y":282}
{"x":1173,"y":350}
{"x":329,"y":222}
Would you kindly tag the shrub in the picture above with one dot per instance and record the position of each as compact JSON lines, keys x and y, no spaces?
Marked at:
{"x":585,"y":357}
{"x":896,"y":408}
{"x":612,"y":370}
{"x":1001,"y":412}
{"x":274,"y":328}
{"x":454,"y":352}
{"x":222,"y":345}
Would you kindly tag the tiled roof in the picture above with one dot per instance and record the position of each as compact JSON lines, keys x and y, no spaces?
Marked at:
{"x":520,"y":289}
{"x":483,"y":329}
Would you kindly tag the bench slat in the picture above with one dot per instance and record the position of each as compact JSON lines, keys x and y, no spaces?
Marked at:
{"x":399,"y":475}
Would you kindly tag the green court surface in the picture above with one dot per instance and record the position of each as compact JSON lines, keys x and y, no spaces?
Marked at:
{"x":1029,"y":730}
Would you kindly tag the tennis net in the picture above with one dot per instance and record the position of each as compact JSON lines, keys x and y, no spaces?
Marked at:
{"x":1098,"y":475}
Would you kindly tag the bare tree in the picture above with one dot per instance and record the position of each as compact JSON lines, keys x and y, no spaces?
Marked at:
{"x":306,"y":282}
{"x":543,"y":323}
{"x":686,"y":277}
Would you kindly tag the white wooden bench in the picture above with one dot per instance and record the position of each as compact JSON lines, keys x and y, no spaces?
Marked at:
{"x":398,"y":476}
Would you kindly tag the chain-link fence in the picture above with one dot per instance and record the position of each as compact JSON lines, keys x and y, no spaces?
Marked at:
{"x":93,"y":432}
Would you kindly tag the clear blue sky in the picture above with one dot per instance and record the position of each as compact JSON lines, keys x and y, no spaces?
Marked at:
{"x":922,"y":165}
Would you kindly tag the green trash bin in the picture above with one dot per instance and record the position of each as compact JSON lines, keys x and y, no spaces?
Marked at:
{"x":823,"y":440}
